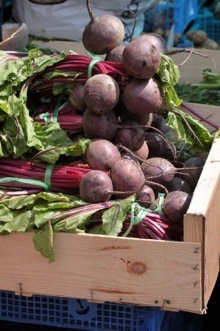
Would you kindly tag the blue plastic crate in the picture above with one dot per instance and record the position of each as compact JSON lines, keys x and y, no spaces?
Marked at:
{"x":179,"y":13}
{"x":201,"y":3}
{"x":185,"y":43}
{"x":206,"y":21}
{"x":78,"y":314}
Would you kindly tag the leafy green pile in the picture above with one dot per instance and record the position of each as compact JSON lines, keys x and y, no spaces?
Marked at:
{"x":19,"y":134}
{"x":193,"y":136}
{"x":48,"y":212}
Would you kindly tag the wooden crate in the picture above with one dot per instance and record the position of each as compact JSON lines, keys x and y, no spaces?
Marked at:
{"x":169,"y":274}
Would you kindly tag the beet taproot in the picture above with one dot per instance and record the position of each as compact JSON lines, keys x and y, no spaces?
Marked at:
{"x":141,"y":59}
{"x":96,"y":186}
{"x":102,"y":33}
{"x":76,"y":97}
{"x":99,"y":126}
{"x":130,"y":135}
{"x":142,"y":96}
{"x":101,"y":93}
{"x":158,"y":169}
{"x":175,"y":205}
{"x":127,"y":177}
{"x":101,"y":154}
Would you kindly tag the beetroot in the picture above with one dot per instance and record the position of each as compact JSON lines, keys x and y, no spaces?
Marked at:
{"x":127,"y":177}
{"x":145,"y":120}
{"x":158,"y":169}
{"x":141,"y":59}
{"x":76,"y":97}
{"x":175,"y":205}
{"x":96,"y":186}
{"x":146,"y":196}
{"x":115,"y":55}
{"x":159,"y":122}
{"x":130,"y":135}
{"x":179,"y":184}
{"x":193,"y":169}
{"x":102,"y":33}
{"x":142,"y":96}
{"x":143,"y":152}
{"x":101,"y":154}
{"x":101,"y":93}
{"x":137,"y":156}
{"x":157,"y":40}
{"x":99,"y":126}
{"x":156,"y":144}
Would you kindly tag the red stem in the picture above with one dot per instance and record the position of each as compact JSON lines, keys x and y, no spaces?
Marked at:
{"x":200,"y":116}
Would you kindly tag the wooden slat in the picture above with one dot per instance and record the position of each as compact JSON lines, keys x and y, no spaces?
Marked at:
{"x":202,"y":222}
{"x":102,"y":268}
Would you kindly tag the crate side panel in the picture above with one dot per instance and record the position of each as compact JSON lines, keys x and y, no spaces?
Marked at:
{"x":212,"y":244}
{"x":201,"y":223}
{"x":194,"y":228}
{"x":100,"y":268}
{"x":208,"y":181}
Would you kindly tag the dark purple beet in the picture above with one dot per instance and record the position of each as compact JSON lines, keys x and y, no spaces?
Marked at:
{"x":100,"y":126}
{"x":192,"y":175}
{"x":156,"y":144}
{"x":175,"y":205}
{"x":96,"y":186}
{"x":146,"y":196}
{"x":159,"y":122}
{"x":158,"y":169}
{"x":76,"y":97}
{"x":127,"y":177}
{"x":179,"y":184}
{"x":101,"y":154}
{"x":130,"y":135}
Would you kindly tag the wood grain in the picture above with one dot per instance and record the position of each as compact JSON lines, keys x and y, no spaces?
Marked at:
{"x":102,"y":268}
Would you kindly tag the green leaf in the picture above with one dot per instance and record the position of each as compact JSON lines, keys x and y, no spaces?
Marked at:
{"x":73,"y":223}
{"x":18,"y":202}
{"x":97,"y":230}
{"x":185,"y":136}
{"x":60,"y":73}
{"x":44,"y":242}
{"x":78,"y":148}
{"x":169,"y":75}
{"x":168,"y":70}
{"x":114,"y":217}
{"x":17,"y":134}
{"x":20,"y":223}
{"x":5,"y":214}
{"x":55,"y":142}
